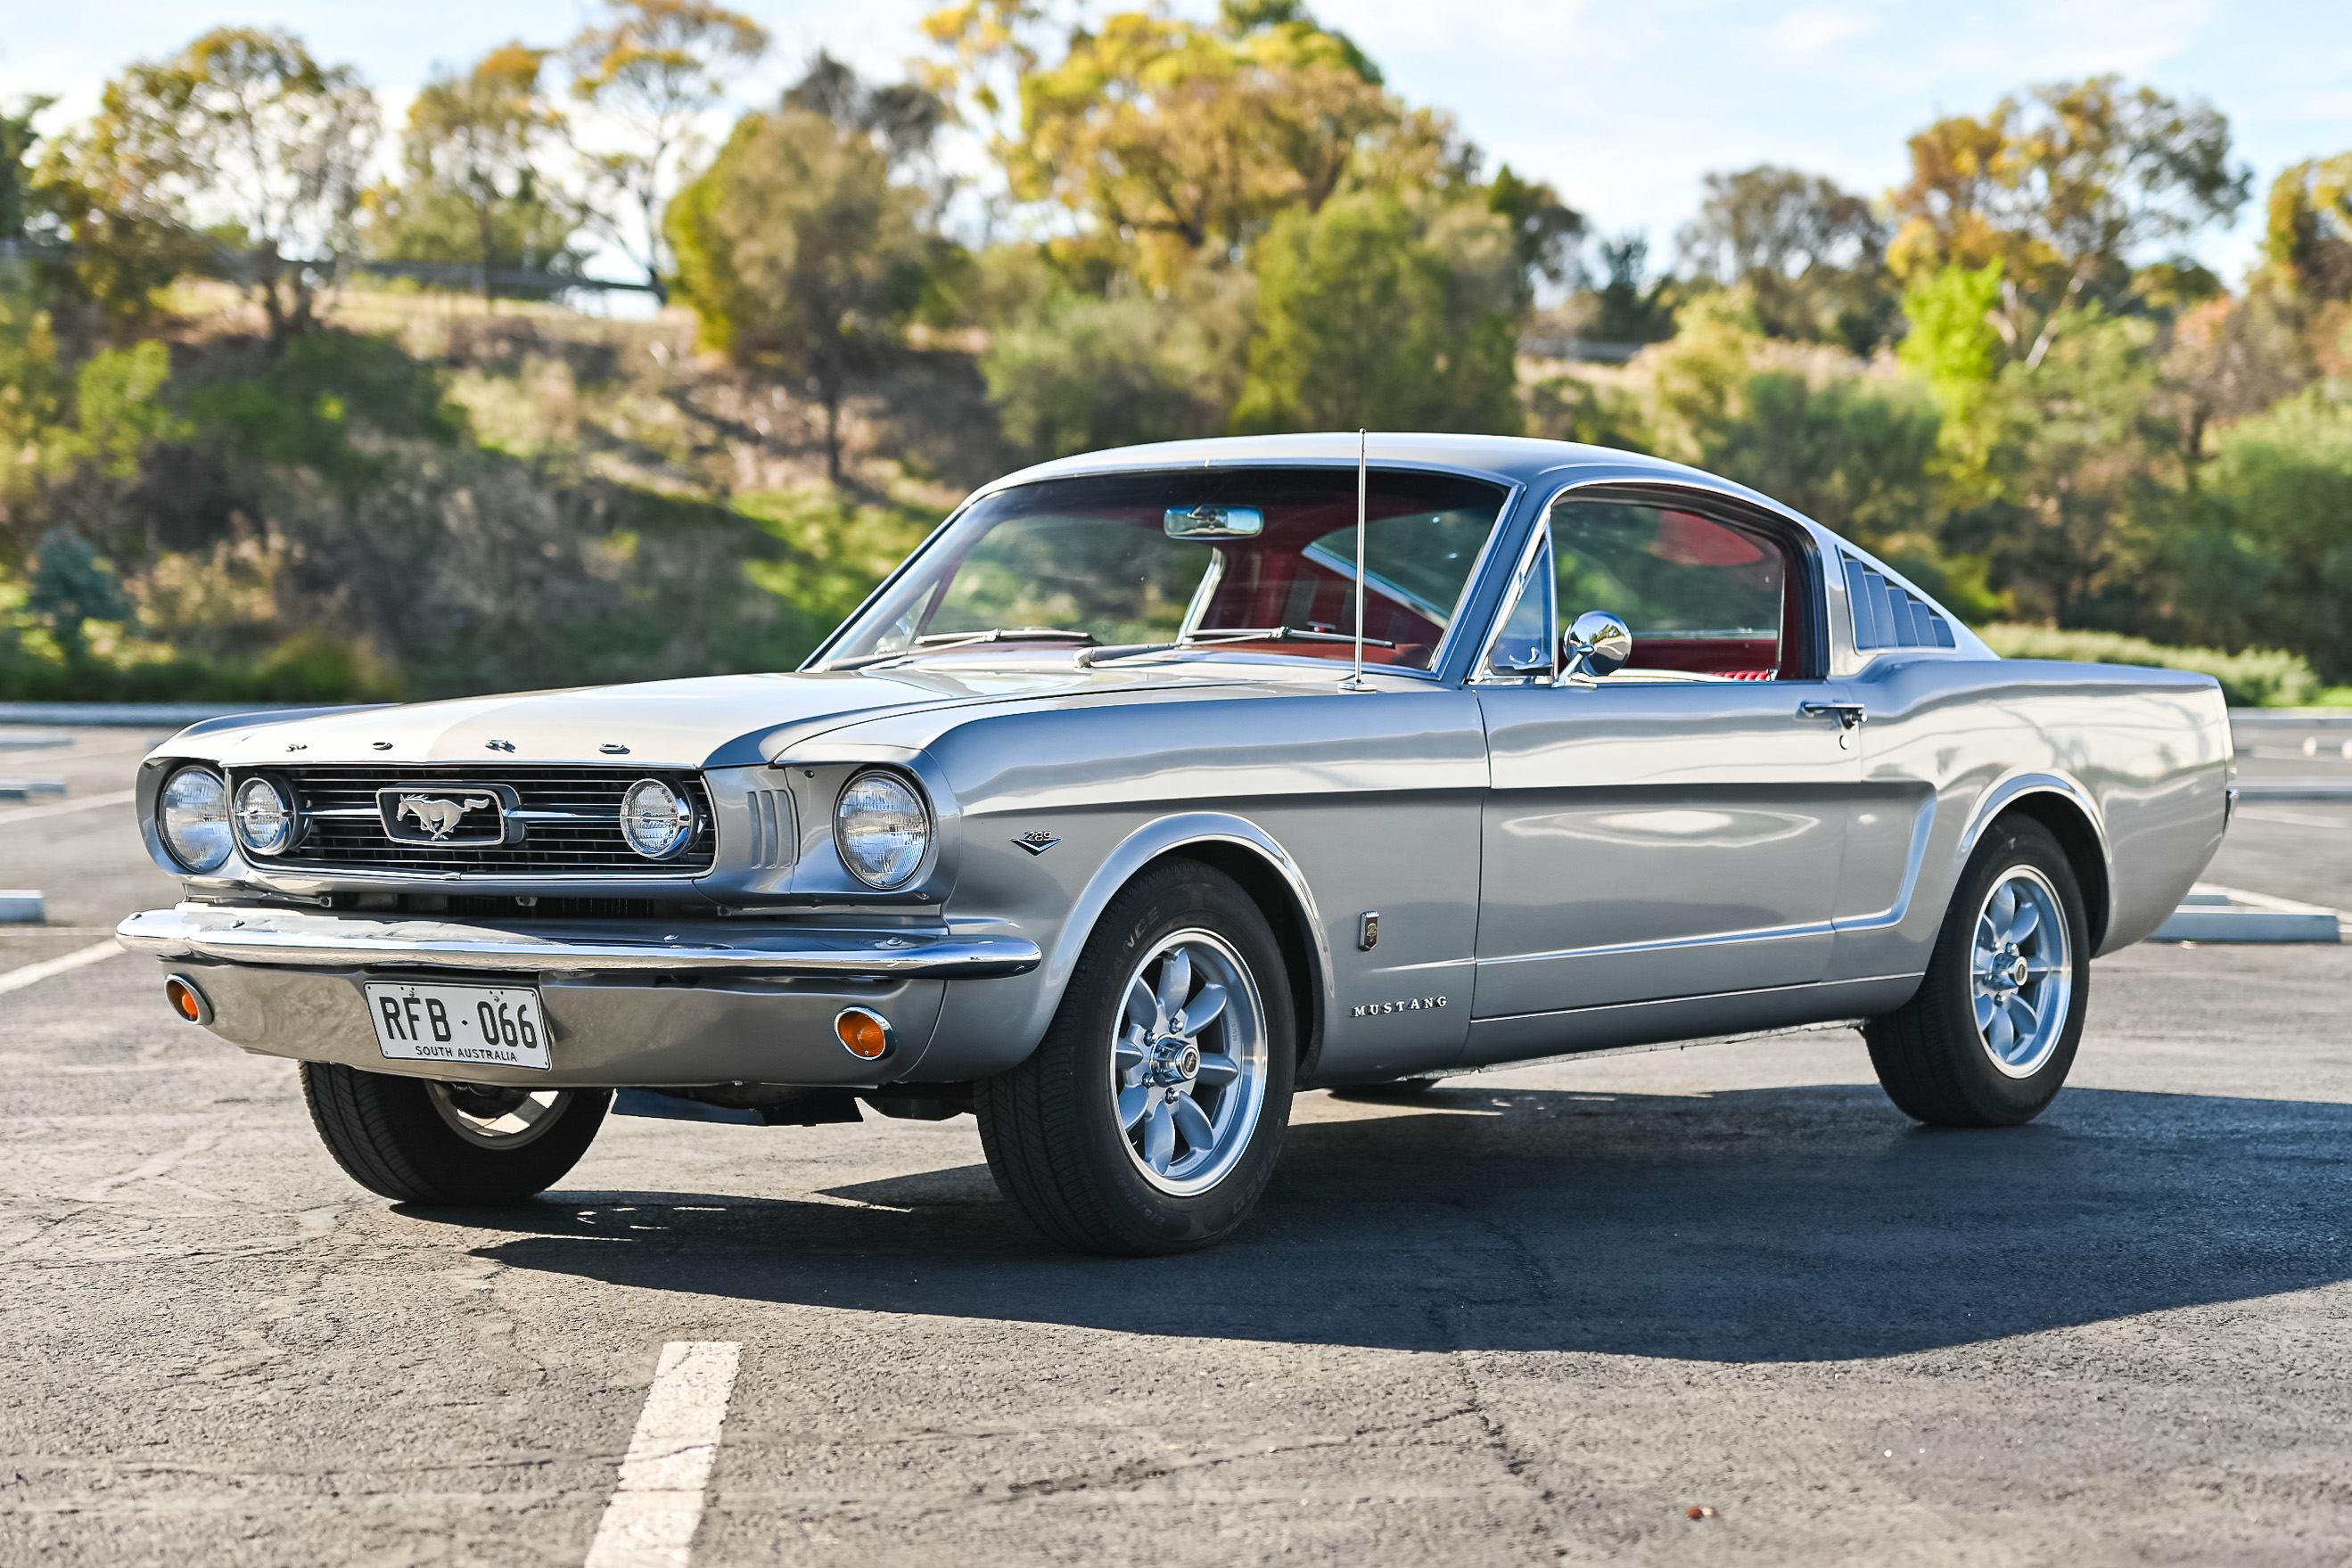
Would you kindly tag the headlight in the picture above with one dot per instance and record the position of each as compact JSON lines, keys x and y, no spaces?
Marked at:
{"x":193,"y":814}
{"x":883,"y":829}
{"x":265,"y":820}
{"x":655,"y":818}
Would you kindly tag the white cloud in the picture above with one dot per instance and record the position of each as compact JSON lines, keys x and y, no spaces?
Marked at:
{"x":1812,"y":30}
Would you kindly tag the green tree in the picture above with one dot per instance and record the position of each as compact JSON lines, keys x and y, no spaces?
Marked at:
{"x":17,"y":140}
{"x":474,"y":193}
{"x":32,"y":393}
{"x":1629,"y":306}
{"x":2309,"y":229}
{"x":1078,"y":372}
{"x":902,"y":118}
{"x":648,"y":74}
{"x":1813,"y":255}
{"x":244,"y":133}
{"x":2231,"y":357}
{"x":1855,"y":453}
{"x":2064,"y":187}
{"x":1955,"y":346}
{"x":800,"y":254}
{"x":108,"y":241}
{"x":1545,"y":230}
{"x":2081,"y":474}
{"x":77,"y":440}
{"x":72,"y":586}
{"x":1173,"y":140}
{"x":1371,"y":314}
{"x":119,"y":412}
{"x":2273,"y":564}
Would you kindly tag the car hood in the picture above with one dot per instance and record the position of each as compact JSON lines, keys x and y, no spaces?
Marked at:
{"x":708,"y":721}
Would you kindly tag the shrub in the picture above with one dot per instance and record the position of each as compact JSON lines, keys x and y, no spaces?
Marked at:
{"x":2262,"y":677}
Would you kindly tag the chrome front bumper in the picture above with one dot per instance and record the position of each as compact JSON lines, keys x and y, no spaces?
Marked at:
{"x":639,"y":1005}
{"x":292,"y":938}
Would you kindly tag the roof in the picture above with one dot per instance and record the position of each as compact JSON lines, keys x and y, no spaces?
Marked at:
{"x":1520,"y":458}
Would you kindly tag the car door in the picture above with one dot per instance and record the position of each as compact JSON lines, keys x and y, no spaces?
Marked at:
{"x":1674,"y":829}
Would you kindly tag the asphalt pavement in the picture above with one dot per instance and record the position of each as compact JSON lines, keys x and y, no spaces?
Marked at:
{"x":1542,"y":1317}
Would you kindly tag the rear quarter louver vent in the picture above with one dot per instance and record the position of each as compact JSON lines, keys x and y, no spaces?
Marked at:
{"x":1888,"y":616}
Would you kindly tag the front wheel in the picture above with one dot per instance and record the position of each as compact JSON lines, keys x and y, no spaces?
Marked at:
{"x":1148,"y":1119}
{"x":1988,"y":1039}
{"x":415,"y":1141}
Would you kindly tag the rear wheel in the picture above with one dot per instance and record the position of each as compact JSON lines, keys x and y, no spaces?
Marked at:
{"x":1148,"y":1119}
{"x":415,"y":1141}
{"x":1990,"y":1035}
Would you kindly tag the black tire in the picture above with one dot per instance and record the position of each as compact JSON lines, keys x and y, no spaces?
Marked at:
{"x":1932,"y":1060}
{"x":1050,"y":1125}
{"x":392,"y":1137}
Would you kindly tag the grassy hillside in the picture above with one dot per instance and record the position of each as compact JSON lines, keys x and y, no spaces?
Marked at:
{"x":431,"y":499}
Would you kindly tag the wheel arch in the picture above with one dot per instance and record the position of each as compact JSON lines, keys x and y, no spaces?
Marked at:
{"x":1265,"y":871}
{"x":2061,"y":807}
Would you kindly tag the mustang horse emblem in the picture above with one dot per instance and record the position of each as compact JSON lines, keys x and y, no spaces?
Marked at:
{"x":438,"y":814}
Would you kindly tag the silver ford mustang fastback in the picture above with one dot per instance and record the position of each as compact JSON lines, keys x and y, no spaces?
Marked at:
{"x":1160,"y":784}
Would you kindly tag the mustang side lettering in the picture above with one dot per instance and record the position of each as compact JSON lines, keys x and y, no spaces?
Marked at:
{"x":1160,"y":784}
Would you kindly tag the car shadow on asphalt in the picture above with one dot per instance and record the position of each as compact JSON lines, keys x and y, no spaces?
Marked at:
{"x":1768,"y":1225}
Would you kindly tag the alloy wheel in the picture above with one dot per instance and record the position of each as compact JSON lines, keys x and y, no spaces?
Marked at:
{"x":2020,"y":972}
{"x":491,"y":1117}
{"x":1188,"y":1061}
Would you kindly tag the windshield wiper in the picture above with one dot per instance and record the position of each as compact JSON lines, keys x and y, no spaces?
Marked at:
{"x":944,"y":642}
{"x":1220,"y":636}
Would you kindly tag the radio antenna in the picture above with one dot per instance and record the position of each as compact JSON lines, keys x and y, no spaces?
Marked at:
{"x":1356,"y":683}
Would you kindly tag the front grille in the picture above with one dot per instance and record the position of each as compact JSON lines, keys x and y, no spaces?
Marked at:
{"x":463,"y":906}
{"x":584,"y":839}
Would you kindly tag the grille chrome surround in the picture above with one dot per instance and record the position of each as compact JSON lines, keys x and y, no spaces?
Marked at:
{"x":569,"y":817}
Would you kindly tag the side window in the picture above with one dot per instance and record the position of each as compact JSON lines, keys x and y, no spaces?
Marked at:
{"x":1703,"y":596}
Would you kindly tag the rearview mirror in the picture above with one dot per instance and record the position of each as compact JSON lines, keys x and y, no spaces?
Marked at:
{"x":1598,"y":644}
{"x":1205,"y":522}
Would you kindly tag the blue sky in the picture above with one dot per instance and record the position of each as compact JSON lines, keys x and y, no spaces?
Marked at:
{"x":1623,"y":107}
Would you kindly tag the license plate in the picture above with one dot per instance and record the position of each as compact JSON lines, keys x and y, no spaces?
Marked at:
{"x":497,"y":1026}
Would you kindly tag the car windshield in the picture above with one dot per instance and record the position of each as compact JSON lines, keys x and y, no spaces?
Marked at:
{"x":1096,"y":561}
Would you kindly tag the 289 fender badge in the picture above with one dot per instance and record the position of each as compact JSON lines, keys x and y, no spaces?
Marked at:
{"x":1038,"y":843}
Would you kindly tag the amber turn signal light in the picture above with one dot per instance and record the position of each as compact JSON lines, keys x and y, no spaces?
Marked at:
{"x":186,"y":1001}
{"x":864,"y":1035}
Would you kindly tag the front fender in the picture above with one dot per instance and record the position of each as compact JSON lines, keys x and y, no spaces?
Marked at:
{"x":1162,"y":837}
{"x":990,"y":1026}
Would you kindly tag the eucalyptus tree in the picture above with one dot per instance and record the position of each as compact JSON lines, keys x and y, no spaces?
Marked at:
{"x":475,"y":189}
{"x":246,"y":136}
{"x":646,"y":75}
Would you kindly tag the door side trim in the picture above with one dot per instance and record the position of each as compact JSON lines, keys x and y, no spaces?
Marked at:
{"x":1664,"y":945}
{"x":1914,"y":862}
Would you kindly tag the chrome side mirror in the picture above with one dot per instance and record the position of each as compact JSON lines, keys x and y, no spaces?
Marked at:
{"x":1598,"y":644}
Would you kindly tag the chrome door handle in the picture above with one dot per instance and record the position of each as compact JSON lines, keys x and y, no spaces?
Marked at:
{"x":1848,"y":715}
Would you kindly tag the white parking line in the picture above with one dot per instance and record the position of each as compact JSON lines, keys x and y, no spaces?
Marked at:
{"x":17,"y":979}
{"x":119,"y":797}
{"x":651,"y":1520}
